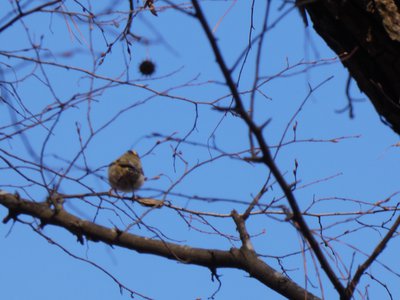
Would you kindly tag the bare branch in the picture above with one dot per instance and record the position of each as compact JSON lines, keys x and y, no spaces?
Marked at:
{"x":24,"y":14}
{"x":371,"y":258}
{"x":297,"y":216}
{"x":210,"y":258}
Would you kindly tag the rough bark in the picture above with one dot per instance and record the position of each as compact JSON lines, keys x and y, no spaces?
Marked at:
{"x":365,"y":34}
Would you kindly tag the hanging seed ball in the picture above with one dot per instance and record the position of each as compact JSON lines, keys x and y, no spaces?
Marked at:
{"x":147,"y":67}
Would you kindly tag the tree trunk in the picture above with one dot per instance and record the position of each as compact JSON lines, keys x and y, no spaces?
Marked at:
{"x":365,"y":34}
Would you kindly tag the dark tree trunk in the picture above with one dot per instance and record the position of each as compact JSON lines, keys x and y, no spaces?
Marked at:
{"x":365,"y":34}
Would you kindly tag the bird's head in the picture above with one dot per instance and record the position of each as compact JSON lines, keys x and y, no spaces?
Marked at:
{"x":132,"y":152}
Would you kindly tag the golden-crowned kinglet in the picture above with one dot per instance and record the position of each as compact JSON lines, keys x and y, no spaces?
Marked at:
{"x":126,"y":174}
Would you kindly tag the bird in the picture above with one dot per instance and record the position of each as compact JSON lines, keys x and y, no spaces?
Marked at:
{"x":125,"y":174}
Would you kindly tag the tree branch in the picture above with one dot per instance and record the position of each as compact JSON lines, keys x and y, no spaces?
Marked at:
{"x":212,"y":259}
{"x":378,"y":250}
{"x":366,"y":30}
{"x":267,"y":158}
{"x":23,"y":14}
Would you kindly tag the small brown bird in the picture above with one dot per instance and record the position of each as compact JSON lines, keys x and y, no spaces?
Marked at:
{"x":126,"y":174}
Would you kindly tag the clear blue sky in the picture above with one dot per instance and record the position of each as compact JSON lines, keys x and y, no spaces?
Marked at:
{"x":363,"y":164}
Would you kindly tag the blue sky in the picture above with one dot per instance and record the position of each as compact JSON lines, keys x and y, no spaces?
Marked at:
{"x":362,"y":165}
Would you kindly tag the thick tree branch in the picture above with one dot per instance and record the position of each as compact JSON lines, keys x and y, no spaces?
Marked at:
{"x":210,"y":258}
{"x":365,"y":34}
